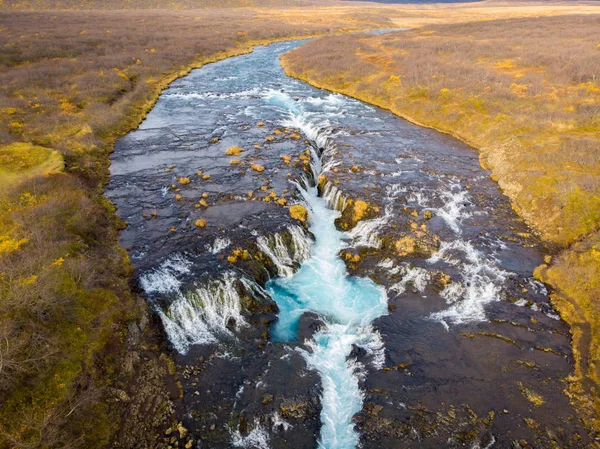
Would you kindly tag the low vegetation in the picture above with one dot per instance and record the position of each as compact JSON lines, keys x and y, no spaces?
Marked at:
{"x":526,"y":93}
{"x":71,"y":83}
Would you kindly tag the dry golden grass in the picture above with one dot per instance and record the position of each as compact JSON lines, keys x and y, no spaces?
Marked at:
{"x":526,"y":93}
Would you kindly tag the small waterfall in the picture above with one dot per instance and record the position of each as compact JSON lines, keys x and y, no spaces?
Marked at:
{"x":334,"y":196}
{"x":366,"y":232}
{"x":319,"y":135}
{"x":203,"y":316}
{"x":481,"y":283}
{"x":315,"y":162}
{"x":284,"y":257}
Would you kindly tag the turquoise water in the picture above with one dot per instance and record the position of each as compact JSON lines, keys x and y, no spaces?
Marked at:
{"x":347,"y":305}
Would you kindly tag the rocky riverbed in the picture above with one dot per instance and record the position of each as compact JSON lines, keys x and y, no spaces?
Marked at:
{"x":211,"y":186}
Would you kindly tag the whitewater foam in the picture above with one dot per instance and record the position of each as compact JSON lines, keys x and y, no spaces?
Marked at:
{"x":417,"y":276}
{"x":218,"y":245}
{"x":286,"y":258}
{"x":204,"y":315}
{"x":480,"y":284}
{"x":166,"y":278}
{"x":258,"y":438}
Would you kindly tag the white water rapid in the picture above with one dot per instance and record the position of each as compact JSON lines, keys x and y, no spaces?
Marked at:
{"x":347,"y":305}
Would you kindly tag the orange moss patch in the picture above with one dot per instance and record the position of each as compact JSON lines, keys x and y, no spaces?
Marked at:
{"x":234,"y":151}
{"x":299,"y":212}
{"x":359,"y":211}
{"x":405,"y":246}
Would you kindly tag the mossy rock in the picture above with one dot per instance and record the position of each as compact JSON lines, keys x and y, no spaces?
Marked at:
{"x":299,"y":212}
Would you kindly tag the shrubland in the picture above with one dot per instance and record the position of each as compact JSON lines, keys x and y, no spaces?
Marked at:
{"x":526,"y":94}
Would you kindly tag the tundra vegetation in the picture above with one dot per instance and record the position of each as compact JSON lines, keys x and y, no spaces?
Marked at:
{"x":73,"y":78}
{"x":526,"y":93}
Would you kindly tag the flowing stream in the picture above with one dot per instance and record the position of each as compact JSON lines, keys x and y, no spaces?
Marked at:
{"x":332,"y":335}
{"x":348,"y":305}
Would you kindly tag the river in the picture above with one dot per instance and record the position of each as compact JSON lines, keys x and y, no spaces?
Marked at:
{"x":401,"y":313}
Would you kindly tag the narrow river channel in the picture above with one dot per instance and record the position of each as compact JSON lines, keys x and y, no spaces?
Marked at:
{"x":401,"y":312}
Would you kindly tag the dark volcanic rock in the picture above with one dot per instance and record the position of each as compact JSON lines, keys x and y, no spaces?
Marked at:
{"x":309,"y":324}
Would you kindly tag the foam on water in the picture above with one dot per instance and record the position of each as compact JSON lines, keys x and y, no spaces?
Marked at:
{"x":453,"y":211}
{"x":258,"y":438}
{"x":165,"y":278}
{"x":280,"y":424}
{"x":453,"y":197}
{"x":214,"y":95}
{"x":417,"y":276}
{"x":481,"y":283}
{"x":342,"y":397}
{"x":218,"y":245}
{"x":203,"y":315}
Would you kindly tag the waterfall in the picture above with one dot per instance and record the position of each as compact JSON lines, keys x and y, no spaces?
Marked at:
{"x":286,"y":259}
{"x":346,"y":304}
{"x":204,"y":314}
{"x":366,"y":232}
{"x":334,"y":196}
{"x":319,"y":135}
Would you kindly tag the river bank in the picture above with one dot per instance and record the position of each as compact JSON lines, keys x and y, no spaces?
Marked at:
{"x":71,"y":88}
{"x":541,"y":155}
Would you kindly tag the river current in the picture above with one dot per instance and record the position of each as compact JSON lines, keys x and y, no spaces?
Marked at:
{"x":420,"y":325}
